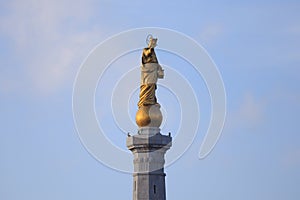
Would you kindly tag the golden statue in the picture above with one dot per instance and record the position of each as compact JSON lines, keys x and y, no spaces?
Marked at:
{"x":149,"y":113}
{"x":150,"y":72}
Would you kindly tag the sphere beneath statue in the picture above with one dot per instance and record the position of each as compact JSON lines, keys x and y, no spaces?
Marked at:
{"x":149,"y":116}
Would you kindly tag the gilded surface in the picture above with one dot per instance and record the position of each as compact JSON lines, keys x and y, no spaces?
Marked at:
{"x":149,"y":116}
{"x":149,"y":56}
{"x":150,"y":72}
{"x":149,"y":113}
{"x":147,"y":95}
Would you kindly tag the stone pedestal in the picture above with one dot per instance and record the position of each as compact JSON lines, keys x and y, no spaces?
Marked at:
{"x":148,"y":148}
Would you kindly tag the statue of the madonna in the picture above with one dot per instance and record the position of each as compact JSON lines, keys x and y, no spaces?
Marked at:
{"x":150,"y":72}
{"x":149,"y":114}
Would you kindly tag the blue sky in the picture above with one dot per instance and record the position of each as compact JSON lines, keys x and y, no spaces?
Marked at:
{"x":255,"y":46}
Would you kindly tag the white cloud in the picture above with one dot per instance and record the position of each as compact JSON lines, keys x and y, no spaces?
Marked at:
{"x":48,"y":40}
{"x":211,"y":33}
{"x":251,"y":110}
{"x":249,"y":114}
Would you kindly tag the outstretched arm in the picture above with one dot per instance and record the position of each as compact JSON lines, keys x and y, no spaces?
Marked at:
{"x":160,"y":72}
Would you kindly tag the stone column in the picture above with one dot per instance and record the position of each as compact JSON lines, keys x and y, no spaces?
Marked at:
{"x":149,"y":145}
{"x":148,"y":148}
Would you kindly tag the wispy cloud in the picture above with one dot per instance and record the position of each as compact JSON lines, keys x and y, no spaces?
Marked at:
{"x":211,"y":33}
{"x":48,"y":39}
{"x":248,"y":115}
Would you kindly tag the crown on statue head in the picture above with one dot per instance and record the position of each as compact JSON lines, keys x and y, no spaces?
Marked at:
{"x":151,"y":41}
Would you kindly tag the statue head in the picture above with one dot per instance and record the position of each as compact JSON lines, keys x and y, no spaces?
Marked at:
{"x":152,"y":42}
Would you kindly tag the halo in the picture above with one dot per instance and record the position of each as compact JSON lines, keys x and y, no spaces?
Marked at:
{"x":149,"y":37}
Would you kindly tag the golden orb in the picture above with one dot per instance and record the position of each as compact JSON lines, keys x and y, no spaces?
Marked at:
{"x":149,"y":116}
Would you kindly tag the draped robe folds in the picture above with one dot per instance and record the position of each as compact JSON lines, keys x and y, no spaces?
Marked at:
{"x":147,"y":95}
{"x":150,"y":72}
